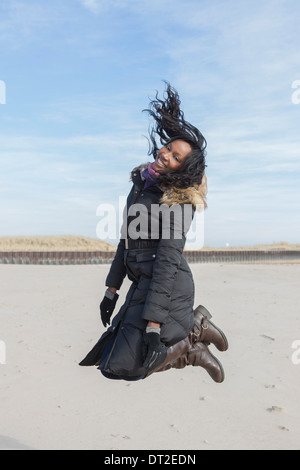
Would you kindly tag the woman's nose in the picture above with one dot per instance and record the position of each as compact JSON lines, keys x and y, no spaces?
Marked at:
{"x":165,"y":154}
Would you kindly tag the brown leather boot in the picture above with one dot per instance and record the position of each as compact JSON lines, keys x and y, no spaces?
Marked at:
{"x":201,"y":356}
{"x":206,"y":332}
{"x":185,"y":354}
{"x":176,"y":354}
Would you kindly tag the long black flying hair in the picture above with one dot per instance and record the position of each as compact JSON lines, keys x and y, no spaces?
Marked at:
{"x":170,"y":125}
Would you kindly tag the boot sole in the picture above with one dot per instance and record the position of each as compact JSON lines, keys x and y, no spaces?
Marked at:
{"x":192,"y":361}
{"x":221,"y":367}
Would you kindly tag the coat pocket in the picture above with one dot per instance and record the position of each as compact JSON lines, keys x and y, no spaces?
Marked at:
{"x":144,"y":262}
{"x":145,"y":256}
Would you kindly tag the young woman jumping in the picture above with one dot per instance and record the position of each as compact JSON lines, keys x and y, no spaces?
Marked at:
{"x":157,"y":327}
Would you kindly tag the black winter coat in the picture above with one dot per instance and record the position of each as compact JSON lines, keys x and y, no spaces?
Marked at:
{"x":162,"y":288}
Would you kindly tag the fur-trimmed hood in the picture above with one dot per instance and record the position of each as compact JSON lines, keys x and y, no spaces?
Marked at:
{"x":195,"y":195}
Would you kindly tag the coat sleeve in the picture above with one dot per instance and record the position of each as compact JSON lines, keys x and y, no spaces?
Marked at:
{"x":117,"y":270}
{"x":166,"y":265}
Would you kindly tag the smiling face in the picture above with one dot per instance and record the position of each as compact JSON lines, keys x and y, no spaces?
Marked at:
{"x":171,"y":157}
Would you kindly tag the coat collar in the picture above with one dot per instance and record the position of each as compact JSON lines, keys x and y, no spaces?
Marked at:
{"x":195,"y":195}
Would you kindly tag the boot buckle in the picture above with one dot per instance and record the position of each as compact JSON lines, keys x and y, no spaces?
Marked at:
{"x":197,"y":328}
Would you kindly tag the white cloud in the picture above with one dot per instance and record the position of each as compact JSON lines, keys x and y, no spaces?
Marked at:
{"x":97,"y":6}
{"x":21,"y":22}
{"x":93,"y":6}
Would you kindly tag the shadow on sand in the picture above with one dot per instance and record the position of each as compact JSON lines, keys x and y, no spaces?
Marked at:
{"x":8,"y":443}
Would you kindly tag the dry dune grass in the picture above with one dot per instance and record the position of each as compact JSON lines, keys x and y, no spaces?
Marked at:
{"x":54,"y":243}
{"x":77,"y":243}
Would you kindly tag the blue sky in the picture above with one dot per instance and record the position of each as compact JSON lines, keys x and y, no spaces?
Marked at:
{"x":78,"y":74}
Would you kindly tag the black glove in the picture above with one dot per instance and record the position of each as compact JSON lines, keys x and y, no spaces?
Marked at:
{"x":107,"y":307}
{"x":155,"y":352}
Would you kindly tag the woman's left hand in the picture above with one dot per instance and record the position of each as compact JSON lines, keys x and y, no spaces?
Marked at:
{"x":107,"y":307}
{"x":155,"y":352}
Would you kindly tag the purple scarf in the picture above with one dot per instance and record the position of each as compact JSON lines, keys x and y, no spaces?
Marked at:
{"x":150,"y":176}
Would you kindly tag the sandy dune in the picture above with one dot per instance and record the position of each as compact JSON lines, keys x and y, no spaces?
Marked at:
{"x":54,"y":243}
{"x":75,"y":243}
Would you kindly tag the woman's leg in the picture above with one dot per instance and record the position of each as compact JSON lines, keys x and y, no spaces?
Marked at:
{"x":175,"y":353}
{"x":194,"y":351}
{"x":185,"y":354}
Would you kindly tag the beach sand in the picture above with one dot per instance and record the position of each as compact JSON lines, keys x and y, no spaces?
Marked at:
{"x":49,"y":320}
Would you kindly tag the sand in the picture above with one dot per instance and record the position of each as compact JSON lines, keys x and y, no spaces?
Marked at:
{"x":76,"y":243}
{"x":54,"y":243}
{"x":49,"y":320}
